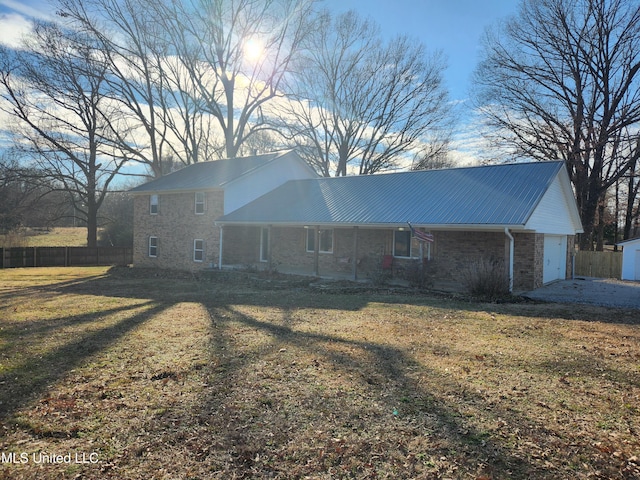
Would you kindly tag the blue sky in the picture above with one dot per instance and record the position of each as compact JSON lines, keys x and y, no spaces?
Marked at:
{"x":452,"y":26}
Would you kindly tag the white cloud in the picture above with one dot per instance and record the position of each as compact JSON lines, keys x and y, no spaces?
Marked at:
{"x":13,"y":27}
{"x":16,"y":16}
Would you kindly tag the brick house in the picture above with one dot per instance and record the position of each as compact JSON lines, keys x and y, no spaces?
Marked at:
{"x":523,"y":215}
{"x":174,"y":215}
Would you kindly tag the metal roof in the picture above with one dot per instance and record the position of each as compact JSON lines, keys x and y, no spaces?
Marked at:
{"x":495,"y":195}
{"x":208,"y":175}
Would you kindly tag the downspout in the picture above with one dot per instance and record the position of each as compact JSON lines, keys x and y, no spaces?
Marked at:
{"x":220,"y":252}
{"x":511,"y":250}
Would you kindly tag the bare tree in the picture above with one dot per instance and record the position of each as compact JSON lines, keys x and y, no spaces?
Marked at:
{"x":237,"y":54}
{"x":149,"y":82}
{"x":14,"y":194}
{"x":433,"y":155}
{"x":560,"y":81}
{"x":54,"y":90}
{"x":362,"y":102}
{"x":28,"y":197}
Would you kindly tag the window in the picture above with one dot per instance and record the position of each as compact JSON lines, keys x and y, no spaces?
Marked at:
{"x":326,"y":240}
{"x":153,"y":204}
{"x":198,"y":250}
{"x":402,"y":243}
{"x":200,"y":203}
{"x":153,"y":246}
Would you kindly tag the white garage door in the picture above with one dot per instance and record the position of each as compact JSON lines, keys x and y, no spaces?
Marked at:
{"x":555,"y":258}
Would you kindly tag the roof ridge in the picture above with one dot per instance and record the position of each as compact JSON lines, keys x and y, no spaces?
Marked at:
{"x":467,"y":167}
{"x":498,"y":194}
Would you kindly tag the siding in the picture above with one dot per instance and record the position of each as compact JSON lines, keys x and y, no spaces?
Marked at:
{"x":552,"y":214}
{"x":248,"y":187}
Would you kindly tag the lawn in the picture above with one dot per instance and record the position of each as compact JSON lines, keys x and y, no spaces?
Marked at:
{"x":55,"y":237}
{"x":131,"y":374}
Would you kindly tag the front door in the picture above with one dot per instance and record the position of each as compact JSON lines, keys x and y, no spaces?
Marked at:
{"x":637,"y":269}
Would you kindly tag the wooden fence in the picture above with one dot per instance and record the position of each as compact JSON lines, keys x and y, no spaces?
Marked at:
{"x":599,"y":264}
{"x":64,"y":256}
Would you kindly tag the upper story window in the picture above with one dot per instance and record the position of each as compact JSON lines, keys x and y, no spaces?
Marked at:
{"x":200,"y":203}
{"x":153,"y":204}
{"x":402,"y":243}
{"x":325,"y":238}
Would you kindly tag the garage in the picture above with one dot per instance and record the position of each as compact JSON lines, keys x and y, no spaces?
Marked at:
{"x":555,"y":258}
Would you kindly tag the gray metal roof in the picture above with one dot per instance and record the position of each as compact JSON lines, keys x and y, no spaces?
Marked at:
{"x":208,"y":175}
{"x":496,"y":195}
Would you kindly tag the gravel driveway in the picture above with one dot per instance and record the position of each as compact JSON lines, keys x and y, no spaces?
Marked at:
{"x":596,"y":291}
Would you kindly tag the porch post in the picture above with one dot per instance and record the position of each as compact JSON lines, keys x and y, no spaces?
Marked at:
{"x":269,"y":262}
{"x":354,"y":265}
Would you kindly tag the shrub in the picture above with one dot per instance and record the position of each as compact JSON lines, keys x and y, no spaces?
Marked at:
{"x":373,"y":267}
{"x":487,"y":278}
{"x":422,"y":276}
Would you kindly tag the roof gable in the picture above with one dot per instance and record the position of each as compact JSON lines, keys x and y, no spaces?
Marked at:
{"x":630,"y":242}
{"x":557,"y":212}
{"x":495,"y":195}
{"x":209,"y":175}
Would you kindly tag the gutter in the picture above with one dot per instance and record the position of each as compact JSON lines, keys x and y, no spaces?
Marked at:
{"x":511,"y":250}
{"x":441,"y":226}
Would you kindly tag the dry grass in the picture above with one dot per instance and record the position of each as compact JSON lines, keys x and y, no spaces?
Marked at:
{"x":55,"y":237}
{"x":226,"y":377}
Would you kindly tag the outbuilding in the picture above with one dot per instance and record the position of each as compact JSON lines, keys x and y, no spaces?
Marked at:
{"x":631,"y":259}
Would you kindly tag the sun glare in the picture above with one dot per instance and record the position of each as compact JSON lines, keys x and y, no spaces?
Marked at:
{"x":253,"y":49}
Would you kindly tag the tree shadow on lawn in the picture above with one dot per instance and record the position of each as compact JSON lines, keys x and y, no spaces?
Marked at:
{"x":276,"y":410}
{"x":399,"y":425}
{"x":27,"y":380}
{"x":242,"y":288}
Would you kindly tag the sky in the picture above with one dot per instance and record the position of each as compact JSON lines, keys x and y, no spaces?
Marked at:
{"x":454,"y":27}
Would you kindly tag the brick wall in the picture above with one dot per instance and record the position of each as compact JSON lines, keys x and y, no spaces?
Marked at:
{"x":528,"y":260}
{"x":452,"y":251}
{"x":289,"y":249}
{"x":176,"y":226}
{"x":240,"y":245}
{"x":455,"y":251}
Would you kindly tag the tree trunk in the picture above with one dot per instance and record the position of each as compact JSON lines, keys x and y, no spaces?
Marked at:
{"x":588,"y":212}
{"x":600,"y":229}
{"x":92,"y":221}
